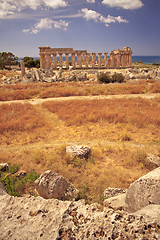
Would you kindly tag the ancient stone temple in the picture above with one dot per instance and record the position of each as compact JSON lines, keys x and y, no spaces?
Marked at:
{"x":63,"y":57}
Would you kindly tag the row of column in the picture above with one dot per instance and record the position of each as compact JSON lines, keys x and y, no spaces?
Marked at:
{"x":83,"y":59}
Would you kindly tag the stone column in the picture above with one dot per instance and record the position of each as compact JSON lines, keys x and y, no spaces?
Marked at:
{"x":105,"y":59}
{"x":67,"y":60}
{"x":123,"y":60}
{"x":130,"y":60}
{"x":54,"y":60}
{"x":60,"y":60}
{"x":112,"y":59}
{"x":99,"y":59}
{"x":79,"y":60}
{"x":73,"y":59}
{"x":87,"y":59}
{"x":22,"y":68}
{"x":108,"y":62}
{"x":93,"y":59}
{"x":119,"y":59}
{"x":42,"y":61}
{"x":48,"y":60}
{"x":84,"y":59}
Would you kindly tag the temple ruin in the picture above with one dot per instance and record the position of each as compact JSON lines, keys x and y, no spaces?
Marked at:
{"x":83,"y":59}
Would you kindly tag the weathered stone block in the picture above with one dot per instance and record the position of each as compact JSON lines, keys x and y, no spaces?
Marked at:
{"x":144,"y":191}
{"x":79,"y":151}
{"x":52,"y":185}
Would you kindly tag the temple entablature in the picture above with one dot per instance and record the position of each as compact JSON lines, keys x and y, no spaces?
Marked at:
{"x":63,"y":57}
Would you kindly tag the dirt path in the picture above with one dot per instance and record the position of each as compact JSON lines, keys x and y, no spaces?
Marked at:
{"x":40,"y":100}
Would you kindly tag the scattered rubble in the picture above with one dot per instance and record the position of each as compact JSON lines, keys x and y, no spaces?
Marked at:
{"x":39,"y":218}
{"x":49,"y":75}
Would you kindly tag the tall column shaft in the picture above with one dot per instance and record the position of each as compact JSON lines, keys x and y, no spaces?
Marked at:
{"x":67,"y":60}
{"x":22,"y":68}
{"x":84,"y":59}
{"x":79,"y":60}
{"x":99,"y":59}
{"x":73,"y":59}
{"x":60,"y":60}
{"x":42,"y":61}
{"x":105,"y":59}
{"x":48,"y":60}
{"x":54,"y":60}
{"x":87,"y":59}
{"x":93,"y":59}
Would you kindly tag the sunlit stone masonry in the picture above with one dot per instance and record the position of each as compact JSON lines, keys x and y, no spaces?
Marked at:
{"x":65,"y":57}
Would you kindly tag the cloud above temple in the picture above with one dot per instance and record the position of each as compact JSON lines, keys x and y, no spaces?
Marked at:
{"x":10,"y":7}
{"x":91,"y":1}
{"x":97,"y":17}
{"x":126,"y":4}
{"x":45,"y":24}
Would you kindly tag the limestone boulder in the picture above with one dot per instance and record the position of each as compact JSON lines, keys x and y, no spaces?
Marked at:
{"x":144,"y":191}
{"x":150,"y":213}
{"x":154,"y":159}
{"x":4,"y":167}
{"x":52,"y":185}
{"x":112,"y":192}
{"x":2,"y":190}
{"x":79,"y":151}
{"x":116,"y":203}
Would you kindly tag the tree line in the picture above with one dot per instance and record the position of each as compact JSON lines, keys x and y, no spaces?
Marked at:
{"x":7,"y":59}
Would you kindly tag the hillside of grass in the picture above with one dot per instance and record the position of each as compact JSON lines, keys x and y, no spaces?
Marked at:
{"x":120,"y":132}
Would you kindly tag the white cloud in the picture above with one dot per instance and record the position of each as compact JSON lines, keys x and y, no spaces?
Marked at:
{"x":46,"y":23}
{"x":126,"y":4}
{"x":61,"y":25}
{"x":8,"y":7}
{"x":55,"y":3}
{"x":90,"y":14}
{"x":91,"y":1}
{"x":93,"y":15}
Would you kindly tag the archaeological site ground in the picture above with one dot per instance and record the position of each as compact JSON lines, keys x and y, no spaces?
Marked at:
{"x":50,"y":109}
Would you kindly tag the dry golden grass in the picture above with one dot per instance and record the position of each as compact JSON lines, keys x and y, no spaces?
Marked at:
{"x":138,"y":112}
{"x":120,"y":132}
{"x":29,"y":91}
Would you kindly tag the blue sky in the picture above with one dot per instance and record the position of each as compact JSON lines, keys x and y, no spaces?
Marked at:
{"x":92,"y":25}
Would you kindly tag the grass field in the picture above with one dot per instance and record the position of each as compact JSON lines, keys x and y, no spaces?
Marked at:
{"x":62,"y":89}
{"x":120,"y":132}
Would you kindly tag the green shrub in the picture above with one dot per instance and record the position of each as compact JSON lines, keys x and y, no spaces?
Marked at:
{"x":15,"y":185}
{"x":104,"y":78}
{"x":13,"y":169}
{"x":83,"y":193}
{"x":118,"y":77}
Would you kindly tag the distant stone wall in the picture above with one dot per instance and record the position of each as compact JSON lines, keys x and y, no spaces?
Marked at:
{"x":83,"y":59}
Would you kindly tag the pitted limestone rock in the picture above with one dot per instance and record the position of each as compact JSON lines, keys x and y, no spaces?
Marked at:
{"x":144,"y":191}
{"x":79,"y":151}
{"x":112,"y":192}
{"x":52,"y":185}
{"x":2,"y":190}
{"x":4,"y":167}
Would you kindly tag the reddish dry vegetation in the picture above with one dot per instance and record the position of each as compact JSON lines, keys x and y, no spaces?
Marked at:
{"x":49,"y":90}
{"x":138,"y":112}
{"x":37,"y":137}
{"x":18,"y":117}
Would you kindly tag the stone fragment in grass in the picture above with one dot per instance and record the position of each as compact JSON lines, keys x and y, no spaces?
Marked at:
{"x":79,"y":151}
